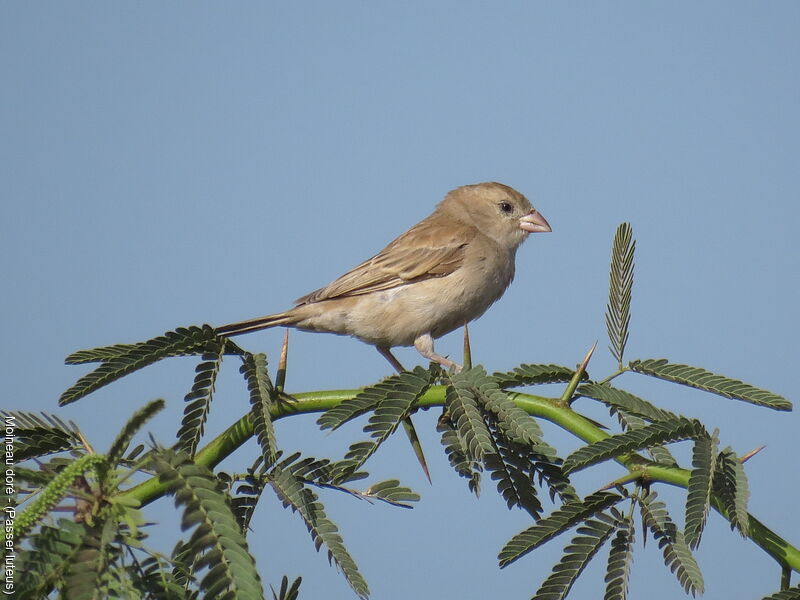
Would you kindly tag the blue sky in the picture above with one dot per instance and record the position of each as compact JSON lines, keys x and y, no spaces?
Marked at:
{"x":185,"y":163}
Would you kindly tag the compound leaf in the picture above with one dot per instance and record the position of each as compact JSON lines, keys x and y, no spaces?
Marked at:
{"x":710,"y":382}
{"x":698,"y":497}
{"x":182,"y":341}
{"x":557,"y":522}
{"x":591,"y":537}
{"x":618,"y":310}
{"x":677,"y":554}
{"x":660,"y":432}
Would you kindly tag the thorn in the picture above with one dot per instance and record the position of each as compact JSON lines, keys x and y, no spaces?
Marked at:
{"x":85,"y":442}
{"x":467,"y":349}
{"x":586,"y":359}
{"x":751,"y":454}
{"x":597,"y":424}
{"x":280,"y":375}
{"x":580,"y":370}
{"x":416,"y":445}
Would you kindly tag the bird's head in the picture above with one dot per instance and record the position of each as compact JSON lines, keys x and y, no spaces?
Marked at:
{"x":497,"y":210}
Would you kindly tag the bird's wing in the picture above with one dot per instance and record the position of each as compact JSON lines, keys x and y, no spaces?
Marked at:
{"x":432,"y":248}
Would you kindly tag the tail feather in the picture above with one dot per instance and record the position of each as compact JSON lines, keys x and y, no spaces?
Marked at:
{"x":284,"y":318}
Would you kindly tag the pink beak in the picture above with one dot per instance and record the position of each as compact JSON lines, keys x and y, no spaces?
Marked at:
{"x":534,"y":222}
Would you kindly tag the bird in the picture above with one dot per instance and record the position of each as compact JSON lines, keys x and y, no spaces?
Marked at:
{"x":442,"y":273}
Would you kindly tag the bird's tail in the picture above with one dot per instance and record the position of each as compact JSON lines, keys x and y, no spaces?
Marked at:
{"x":284,"y":318}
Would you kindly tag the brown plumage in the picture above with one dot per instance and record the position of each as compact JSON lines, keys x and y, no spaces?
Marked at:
{"x":443,"y":272}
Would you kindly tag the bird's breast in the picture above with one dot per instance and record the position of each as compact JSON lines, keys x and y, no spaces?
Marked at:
{"x":398,"y":316}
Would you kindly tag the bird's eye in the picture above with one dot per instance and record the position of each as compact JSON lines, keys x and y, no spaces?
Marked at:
{"x":506,"y":207}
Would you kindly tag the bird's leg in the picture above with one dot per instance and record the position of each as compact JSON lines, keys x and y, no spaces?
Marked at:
{"x":408,"y":425}
{"x":424,"y":345}
{"x":386,"y":353}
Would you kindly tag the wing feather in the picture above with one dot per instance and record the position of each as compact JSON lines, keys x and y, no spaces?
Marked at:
{"x":431,"y":248}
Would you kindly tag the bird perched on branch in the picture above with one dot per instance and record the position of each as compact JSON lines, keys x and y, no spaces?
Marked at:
{"x":442,"y":273}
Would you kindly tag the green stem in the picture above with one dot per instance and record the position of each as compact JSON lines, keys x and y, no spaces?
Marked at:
{"x":622,"y":369}
{"x":569,"y":391}
{"x":546,"y":408}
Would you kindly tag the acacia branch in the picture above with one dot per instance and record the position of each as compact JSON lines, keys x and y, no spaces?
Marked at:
{"x":550,"y":409}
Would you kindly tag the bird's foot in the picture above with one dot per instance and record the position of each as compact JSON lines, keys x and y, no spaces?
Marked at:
{"x":424,"y":345}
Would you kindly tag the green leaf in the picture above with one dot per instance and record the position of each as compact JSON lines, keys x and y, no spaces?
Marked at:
{"x":591,"y":537}
{"x":217,"y":540}
{"x":556,"y":480}
{"x":46,"y":557}
{"x":363,"y":402}
{"x":511,"y":466}
{"x":518,"y":425}
{"x":198,"y":400}
{"x":40,"y":435}
{"x":293,"y":494}
{"x":677,"y":555}
{"x":559,"y":521}
{"x":156,"y":576}
{"x":515,"y":465}
{"x":321,"y":472}
{"x":620,"y":559}
{"x":262,"y":397}
{"x":309,"y":469}
{"x":659,"y":454}
{"x":730,"y":486}
{"x":392,"y":492}
{"x":182,"y":559}
{"x":88,"y":576}
{"x":527,"y":374}
{"x":324,"y":473}
{"x":396,"y":404}
{"x":790,"y":594}
{"x":287,"y":592}
{"x":698,"y":497}
{"x":100,"y":354}
{"x":247,"y":493}
{"x":457,"y":456}
{"x":134,"y":424}
{"x":105,"y":353}
{"x":617,"y":400}
{"x":660,"y":432}
{"x":618,"y":310}
{"x":182,"y":341}
{"x":710,"y":382}
{"x":462,"y":401}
